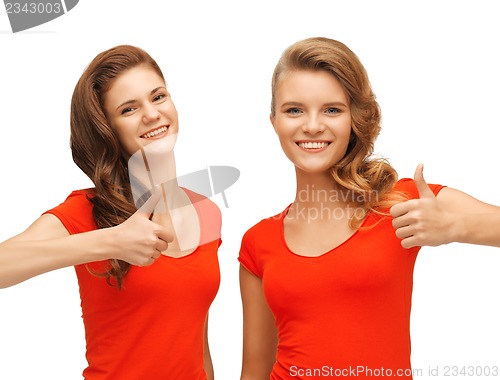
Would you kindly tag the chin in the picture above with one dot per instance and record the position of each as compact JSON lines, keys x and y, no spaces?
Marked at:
{"x":313,"y":170}
{"x":160,"y":146}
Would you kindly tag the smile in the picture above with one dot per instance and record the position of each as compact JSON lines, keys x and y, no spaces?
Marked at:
{"x":155,"y":132}
{"x":313,"y":145}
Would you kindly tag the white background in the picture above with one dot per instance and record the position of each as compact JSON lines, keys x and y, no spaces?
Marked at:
{"x":433,"y":65}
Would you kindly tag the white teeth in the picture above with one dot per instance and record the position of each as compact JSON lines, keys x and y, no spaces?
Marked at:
{"x":313,"y":145}
{"x":154,"y":133}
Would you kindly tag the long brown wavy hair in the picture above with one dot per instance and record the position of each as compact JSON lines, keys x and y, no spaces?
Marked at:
{"x":95,"y":146}
{"x":369,"y":178}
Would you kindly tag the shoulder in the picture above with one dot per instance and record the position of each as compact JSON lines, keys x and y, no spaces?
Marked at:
{"x":203,"y":204}
{"x":266,"y":229}
{"x":77,"y":199}
{"x":209,"y":216}
{"x":80,"y":196}
{"x":76,"y":211}
{"x":193,"y":196}
{"x":408,"y":188}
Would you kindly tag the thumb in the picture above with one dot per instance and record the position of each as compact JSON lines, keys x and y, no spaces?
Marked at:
{"x":148,"y":207}
{"x":424,"y":190}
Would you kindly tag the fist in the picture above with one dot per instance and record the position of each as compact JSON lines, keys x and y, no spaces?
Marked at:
{"x":422,"y":221}
{"x":139,"y":241}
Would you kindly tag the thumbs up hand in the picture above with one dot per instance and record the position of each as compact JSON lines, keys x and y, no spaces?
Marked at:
{"x":422,"y":221}
{"x":138,"y":240}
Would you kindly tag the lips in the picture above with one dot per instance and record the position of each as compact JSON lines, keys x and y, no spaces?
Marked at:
{"x":313,"y":145}
{"x":155,"y":132}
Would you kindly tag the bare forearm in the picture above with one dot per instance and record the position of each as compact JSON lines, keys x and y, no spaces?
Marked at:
{"x":483,"y":229}
{"x":258,"y":364}
{"x":260,"y":337}
{"x":21,"y":260}
{"x":207,"y":362}
{"x":259,"y":352}
{"x":209,"y":369}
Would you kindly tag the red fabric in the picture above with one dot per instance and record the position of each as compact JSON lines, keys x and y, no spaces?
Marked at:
{"x":346,"y":309}
{"x":154,"y":327}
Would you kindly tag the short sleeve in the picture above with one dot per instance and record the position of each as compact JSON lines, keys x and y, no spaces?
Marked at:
{"x":210,"y":217}
{"x":75,"y":213}
{"x":248,"y":254}
{"x":408,"y":187}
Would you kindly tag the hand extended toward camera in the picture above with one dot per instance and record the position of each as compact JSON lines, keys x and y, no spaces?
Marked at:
{"x":422,"y":221}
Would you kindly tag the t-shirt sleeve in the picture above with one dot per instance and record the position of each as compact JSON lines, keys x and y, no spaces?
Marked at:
{"x":210,"y":217}
{"x":409,"y":187}
{"x":248,"y":253}
{"x":75,"y":213}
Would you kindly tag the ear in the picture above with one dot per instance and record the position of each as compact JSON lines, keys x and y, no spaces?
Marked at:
{"x":273,"y":122}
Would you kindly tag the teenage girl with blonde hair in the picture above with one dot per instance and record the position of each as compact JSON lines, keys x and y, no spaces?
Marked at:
{"x":326,"y":285}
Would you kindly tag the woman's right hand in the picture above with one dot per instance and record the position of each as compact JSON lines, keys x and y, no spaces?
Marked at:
{"x":138,"y":240}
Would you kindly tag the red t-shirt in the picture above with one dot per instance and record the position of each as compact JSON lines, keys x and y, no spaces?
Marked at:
{"x":154,"y":327}
{"x":348,"y":309}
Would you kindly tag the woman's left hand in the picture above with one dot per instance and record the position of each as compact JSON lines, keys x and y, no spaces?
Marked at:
{"x":423,"y":221}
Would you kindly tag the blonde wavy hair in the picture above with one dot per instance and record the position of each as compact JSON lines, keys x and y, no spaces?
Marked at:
{"x":371,"y":179}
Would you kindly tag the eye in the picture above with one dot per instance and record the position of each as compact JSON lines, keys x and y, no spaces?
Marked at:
{"x":159,"y":97}
{"x":126,"y":110}
{"x":293,"y":111}
{"x":332,"y":110}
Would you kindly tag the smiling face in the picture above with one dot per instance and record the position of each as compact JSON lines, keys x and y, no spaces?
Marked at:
{"x":140,"y":109}
{"x":312,"y":119}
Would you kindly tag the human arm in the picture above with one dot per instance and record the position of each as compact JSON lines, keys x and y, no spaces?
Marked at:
{"x":46,"y":245}
{"x":260,"y":338}
{"x":451,"y":216}
{"x":207,"y":358}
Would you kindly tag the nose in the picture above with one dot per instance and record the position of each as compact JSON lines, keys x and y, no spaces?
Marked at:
{"x":150,"y":113}
{"x":313,"y":125}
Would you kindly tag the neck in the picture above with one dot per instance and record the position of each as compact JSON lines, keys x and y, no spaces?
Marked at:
{"x":318,"y":189}
{"x":148,"y":170}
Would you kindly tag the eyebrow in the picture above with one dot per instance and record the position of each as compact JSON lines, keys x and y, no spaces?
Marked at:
{"x":133,"y":101}
{"x":329,"y":104}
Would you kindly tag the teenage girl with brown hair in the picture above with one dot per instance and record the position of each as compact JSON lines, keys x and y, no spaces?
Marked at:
{"x":144,"y":294}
